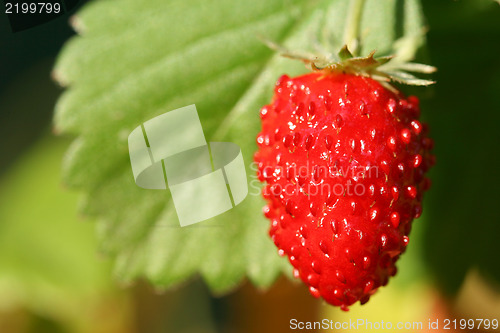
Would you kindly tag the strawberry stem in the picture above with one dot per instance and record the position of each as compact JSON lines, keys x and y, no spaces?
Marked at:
{"x":351,"y":32}
{"x":383,"y":69}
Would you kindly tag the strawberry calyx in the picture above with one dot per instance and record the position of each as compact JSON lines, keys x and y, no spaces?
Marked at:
{"x":384,"y":69}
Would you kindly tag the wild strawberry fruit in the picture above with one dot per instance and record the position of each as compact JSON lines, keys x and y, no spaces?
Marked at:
{"x":344,"y":161}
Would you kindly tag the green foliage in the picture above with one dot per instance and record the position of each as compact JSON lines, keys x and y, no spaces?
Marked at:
{"x":463,"y":113}
{"x":47,"y":255}
{"x":135,"y":60}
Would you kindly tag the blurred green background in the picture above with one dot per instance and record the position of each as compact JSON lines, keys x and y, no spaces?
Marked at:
{"x":52,"y":278}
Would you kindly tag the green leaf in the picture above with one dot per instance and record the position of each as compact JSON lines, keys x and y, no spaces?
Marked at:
{"x":135,"y":60}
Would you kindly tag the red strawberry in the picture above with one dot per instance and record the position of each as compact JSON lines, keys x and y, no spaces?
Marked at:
{"x":344,"y":159}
